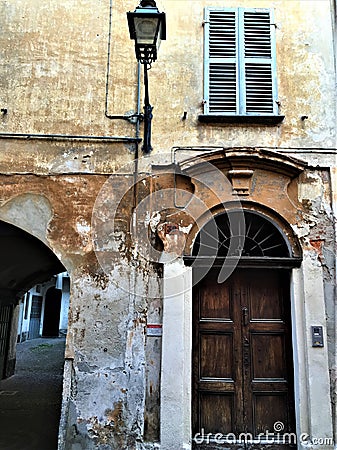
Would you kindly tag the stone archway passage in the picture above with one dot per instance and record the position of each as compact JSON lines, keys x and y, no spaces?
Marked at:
{"x":24,"y":262}
{"x":31,"y":399}
{"x":33,"y":395}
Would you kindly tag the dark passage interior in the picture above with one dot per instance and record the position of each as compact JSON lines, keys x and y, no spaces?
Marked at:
{"x":31,"y":372}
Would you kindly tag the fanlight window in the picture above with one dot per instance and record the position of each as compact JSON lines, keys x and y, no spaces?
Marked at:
{"x":240,"y":233}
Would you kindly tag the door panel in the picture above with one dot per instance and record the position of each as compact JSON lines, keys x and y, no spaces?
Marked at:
{"x":268,"y":383}
{"x":264,"y":294}
{"x":216,"y":356}
{"x":242,"y":355}
{"x":268,"y":360}
{"x":223,"y":404}
{"x":269,"y":408}
{"x":216,"y":302}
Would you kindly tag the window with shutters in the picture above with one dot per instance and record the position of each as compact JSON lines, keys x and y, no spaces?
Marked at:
{"x":240,"y":67}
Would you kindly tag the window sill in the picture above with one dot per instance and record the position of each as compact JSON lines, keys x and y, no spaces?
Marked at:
{"x":220,"y":118}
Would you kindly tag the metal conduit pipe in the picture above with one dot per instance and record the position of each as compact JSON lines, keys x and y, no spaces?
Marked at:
{"x":5,"y":135}
{"x":135,"y":168}
{"x":138,"y":99}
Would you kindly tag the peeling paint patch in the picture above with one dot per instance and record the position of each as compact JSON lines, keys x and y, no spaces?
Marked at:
{"x":152,"y":220}
{"x":317,"y":244}
{"x":83,"y":227}
{"x":187,"y":229}
{"x":114,"y":416}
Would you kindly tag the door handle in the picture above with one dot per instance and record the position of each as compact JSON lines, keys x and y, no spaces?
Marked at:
{"x":245,"y":316}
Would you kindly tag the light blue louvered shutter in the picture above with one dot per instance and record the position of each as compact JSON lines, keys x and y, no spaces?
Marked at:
{"x":239,"y":67}
{"x":258,"y":55}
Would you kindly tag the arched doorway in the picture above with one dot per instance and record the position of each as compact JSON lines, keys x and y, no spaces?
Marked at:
{"x":242,"y":360}
{"x":25,"y":261}
{"x":33,"y":394}
{"x":266,"y":184}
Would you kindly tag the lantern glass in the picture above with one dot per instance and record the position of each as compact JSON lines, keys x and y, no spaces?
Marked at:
{"x":146,"y":30}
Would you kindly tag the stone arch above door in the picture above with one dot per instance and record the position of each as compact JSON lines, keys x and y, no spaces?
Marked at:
{"x":263,"y":181}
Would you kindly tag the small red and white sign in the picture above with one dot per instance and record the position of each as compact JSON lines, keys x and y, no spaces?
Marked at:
{"x":154,"y":329}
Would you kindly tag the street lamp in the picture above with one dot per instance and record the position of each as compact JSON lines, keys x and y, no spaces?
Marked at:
{"x":147,"y":27}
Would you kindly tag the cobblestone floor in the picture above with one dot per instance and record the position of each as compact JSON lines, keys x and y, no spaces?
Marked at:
{"x":30,"y":400}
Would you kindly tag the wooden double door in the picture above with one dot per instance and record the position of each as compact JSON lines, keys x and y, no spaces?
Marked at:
{"x":242,"y":361}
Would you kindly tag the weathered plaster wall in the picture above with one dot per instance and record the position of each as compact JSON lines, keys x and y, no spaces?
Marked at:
{"x":305,"y":77}
{"x":54,"y":66}
{"x":53,"y":80}
{"x":54,"y":156}
{"x":318,"y":239}
{"x":53,"y":74}
{"x":114,"y":397}
{"x":115,"y":381}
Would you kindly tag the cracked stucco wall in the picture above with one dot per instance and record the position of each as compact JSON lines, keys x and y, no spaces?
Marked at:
{"x":53,"y":80}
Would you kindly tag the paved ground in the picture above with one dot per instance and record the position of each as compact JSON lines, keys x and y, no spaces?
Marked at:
{"x":30,"y":401}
